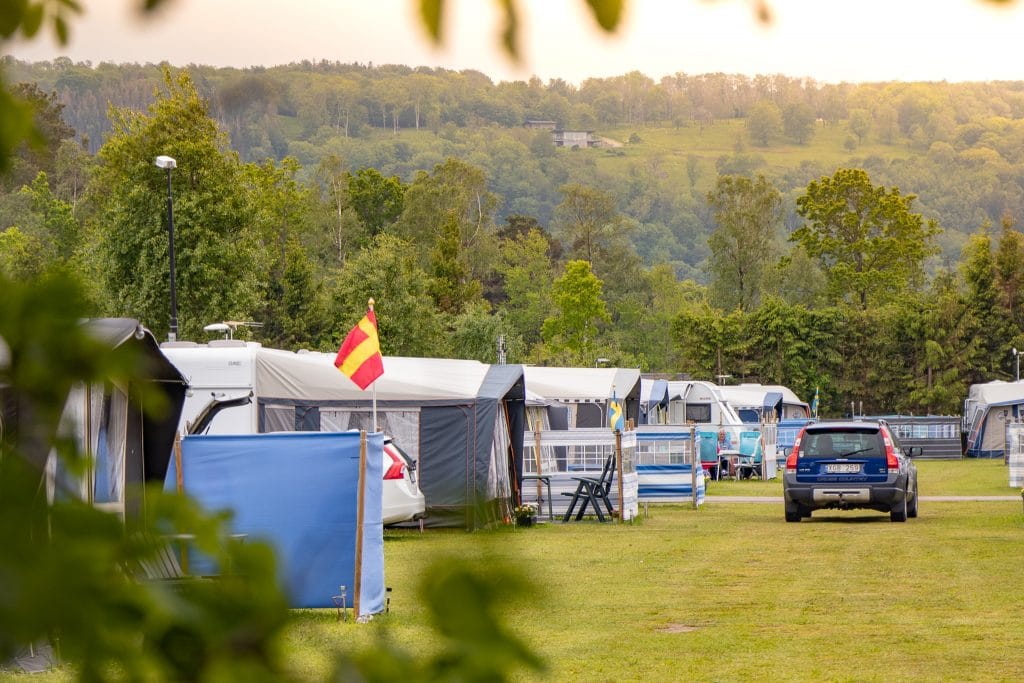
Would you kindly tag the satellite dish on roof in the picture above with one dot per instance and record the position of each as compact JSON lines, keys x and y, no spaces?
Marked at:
{"x":223,"y":328}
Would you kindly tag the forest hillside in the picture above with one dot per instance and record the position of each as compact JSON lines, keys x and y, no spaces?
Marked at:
{"x":857,"y":239}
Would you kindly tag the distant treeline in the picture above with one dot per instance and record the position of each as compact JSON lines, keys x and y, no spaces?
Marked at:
{"x":860,"y":239}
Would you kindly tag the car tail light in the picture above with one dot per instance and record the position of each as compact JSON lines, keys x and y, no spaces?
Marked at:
{"x":891,"y":462}
{"x":397,"y":468}
{"x":795,"y":453}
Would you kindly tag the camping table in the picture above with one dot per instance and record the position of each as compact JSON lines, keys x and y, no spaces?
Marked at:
{"x":732,"y":458}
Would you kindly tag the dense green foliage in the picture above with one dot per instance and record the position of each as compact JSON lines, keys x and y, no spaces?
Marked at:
{"x":302,"y":191}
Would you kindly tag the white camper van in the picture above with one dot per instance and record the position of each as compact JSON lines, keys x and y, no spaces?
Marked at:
{"x":221,"y":370}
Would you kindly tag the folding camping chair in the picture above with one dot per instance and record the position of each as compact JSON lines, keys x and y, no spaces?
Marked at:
{"x":708,"y":442}
{"x":593,"y":492}
{"x":750,"y":455}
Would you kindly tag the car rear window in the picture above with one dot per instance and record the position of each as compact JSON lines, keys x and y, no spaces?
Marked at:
{"x":842,"y":444}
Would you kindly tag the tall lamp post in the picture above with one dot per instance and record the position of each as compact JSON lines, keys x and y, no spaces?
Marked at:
{"x":168,"y":163}
{"x":1016,"y":356}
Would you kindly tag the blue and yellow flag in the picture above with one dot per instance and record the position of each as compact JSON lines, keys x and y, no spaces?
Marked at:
{"x":814,"y":403}
{"x":615,"y":418}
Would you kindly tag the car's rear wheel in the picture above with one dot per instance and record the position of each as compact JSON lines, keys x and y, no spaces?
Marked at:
{"x":898,"y":512}
{"x":912,"y":506}
{"x":793,"y":512}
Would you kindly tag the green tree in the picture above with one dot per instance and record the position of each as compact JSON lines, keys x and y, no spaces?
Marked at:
{"x":710,"y":343}
{"x":452,"y":197}
{"x":579,"y":310}
{"x":40,"y":155}
{"x":1009,"y":261}
{"x":796,"y":279}
{"x":21,"y":255}
{"x":339,"y":224}
{"x":474,"y":335}
{"x":527,"y":276}
{"x":51,"y":220}
{"x":942,"y":368}
{"x":747,"y":214}
{"x":860,"y":123}
{"x":866,"y":239}
{"x":796,"y":346}
{"x":219,"y":262}
{"x":451,"y":286}
{"x":387,"y":271}
{"x":586,"y":220}
{"x":377,"y":200}
{"x":798,"y":122}
{"x":988,"y":329}
{"x":764,"y":122}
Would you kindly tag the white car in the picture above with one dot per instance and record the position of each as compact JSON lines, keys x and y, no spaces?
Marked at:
{"x":403,"y":500}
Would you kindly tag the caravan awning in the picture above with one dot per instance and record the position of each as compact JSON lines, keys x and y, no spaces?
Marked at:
{"x":772,"y":399}
{"x":653,"y":392}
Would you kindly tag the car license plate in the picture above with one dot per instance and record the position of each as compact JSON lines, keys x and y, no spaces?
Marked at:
{"x":842,"y":468}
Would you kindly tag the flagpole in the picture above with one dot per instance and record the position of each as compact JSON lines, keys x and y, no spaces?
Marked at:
{"x":370,"y":304}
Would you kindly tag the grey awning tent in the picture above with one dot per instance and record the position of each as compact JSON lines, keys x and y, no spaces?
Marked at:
{"x":653,"y":398}
{"x":462,"y":421}
{"x":988,"y":408}
{"x":586,"y":391}
{"x":130,"y":446}
{"x":155,"y":432}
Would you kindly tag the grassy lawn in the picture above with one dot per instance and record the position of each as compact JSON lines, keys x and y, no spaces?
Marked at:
{"x":732,"y":592}
{"x":968,"y":477}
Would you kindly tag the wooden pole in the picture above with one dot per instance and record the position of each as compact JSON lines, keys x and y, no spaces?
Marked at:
{"x":90,"y":453}
{"x":179,"y":475}
{"x":618,"y":461}
{"x":357,"y":583}
{"x":536,"y":457}
{"x":694,"y":464}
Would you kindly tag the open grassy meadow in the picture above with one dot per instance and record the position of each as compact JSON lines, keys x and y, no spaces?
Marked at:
{"x":730,"y":592}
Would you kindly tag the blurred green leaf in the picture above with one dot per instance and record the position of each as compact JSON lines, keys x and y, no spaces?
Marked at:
{"x":11,"y":14}
{"x":60,"y":27}
{"x":607,"y":12}
{"x":32,"y":20}
{"x":431,"y":12}
{"x":509,"y":35}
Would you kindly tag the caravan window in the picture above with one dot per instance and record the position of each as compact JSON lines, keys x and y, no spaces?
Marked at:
{"x":698,"y":412}
{"x":749,"y":415}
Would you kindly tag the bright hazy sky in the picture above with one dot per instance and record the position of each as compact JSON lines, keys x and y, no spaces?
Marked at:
{"x":828,"y":40}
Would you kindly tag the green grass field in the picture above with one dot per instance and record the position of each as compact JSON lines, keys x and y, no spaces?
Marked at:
{"x":935,"y":478}
{"x":730,"y":592}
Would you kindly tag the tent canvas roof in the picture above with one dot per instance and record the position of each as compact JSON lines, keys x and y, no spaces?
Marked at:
{"x":312,"y":375}
{"x":998,"y":392}
{"x":574,"y":384}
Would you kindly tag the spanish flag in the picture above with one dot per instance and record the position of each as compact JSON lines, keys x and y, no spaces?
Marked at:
{"x":359,"y":356}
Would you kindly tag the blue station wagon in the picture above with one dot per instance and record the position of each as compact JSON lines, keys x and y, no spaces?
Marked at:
{"x":848,"y":465}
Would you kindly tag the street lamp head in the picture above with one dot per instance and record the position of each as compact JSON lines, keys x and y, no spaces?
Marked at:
{"x":167,"y":162}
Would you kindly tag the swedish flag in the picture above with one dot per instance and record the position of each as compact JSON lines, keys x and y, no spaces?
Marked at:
{"x":814,"y":403}
{"x":615,"y":418}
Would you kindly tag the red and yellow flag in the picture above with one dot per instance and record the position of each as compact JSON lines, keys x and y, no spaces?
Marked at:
{"x":359,"y":356}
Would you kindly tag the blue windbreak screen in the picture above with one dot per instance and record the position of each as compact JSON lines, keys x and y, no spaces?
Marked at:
{"x":298,"y":491}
